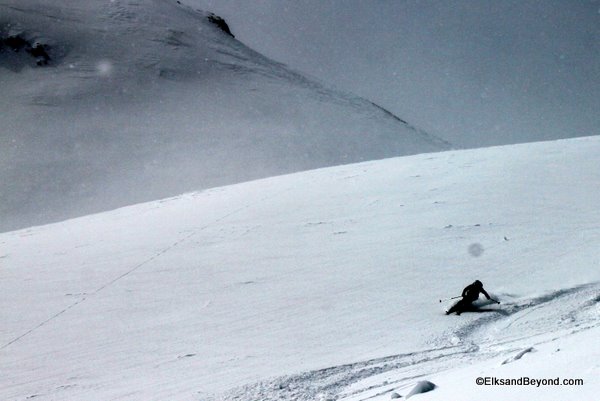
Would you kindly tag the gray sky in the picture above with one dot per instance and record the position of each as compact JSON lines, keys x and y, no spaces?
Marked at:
{"x":474,"y":72}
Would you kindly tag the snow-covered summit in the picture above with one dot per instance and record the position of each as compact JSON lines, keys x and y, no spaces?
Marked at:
{"x":107,"y":103}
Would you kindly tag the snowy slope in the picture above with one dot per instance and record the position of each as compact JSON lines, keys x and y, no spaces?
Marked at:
{"x":138,"y":100}
{"x":318,"y":285}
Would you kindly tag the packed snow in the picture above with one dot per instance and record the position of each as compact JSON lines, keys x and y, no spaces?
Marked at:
{"x":320,"y":285}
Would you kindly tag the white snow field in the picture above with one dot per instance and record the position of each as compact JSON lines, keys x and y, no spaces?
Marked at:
{"x":320,"y":285}
{"x":144,"y":99}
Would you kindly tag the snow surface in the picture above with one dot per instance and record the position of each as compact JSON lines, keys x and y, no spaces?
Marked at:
{"x":145,"y":99}
{"x":319,"y":285}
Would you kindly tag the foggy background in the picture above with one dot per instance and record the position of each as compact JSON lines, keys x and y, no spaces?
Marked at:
{"x":144,"y":100}
{"x":476,"y":73}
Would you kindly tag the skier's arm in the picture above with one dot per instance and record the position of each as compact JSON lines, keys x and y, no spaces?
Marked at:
{"x":464,"y":293}
{"x":485,"y":293}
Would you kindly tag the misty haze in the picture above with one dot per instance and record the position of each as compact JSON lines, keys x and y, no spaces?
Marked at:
{"x":295,"y":200}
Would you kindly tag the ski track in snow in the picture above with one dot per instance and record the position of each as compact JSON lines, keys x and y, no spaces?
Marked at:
{"x":156,"y":255}
{"x":490,"y":335}
{"x":275,"y":300}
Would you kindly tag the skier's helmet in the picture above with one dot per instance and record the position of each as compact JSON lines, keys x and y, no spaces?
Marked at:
{"x":478,"y":284}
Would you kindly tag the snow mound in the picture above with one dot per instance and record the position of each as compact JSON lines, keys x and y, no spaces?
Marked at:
{"x":518,"y":356}
{"x":421,"y":387}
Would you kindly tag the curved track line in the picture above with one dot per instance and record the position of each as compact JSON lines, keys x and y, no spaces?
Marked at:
{"x":335,"y":382}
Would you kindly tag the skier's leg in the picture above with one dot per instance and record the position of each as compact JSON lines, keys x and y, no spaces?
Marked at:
{"x":465,"y":305}
{"x":457,"y":307}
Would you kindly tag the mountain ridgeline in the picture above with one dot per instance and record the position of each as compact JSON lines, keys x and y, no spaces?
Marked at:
{"x":107,"y":104}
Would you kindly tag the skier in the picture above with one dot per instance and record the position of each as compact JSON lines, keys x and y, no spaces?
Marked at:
{"x":469,"y":295}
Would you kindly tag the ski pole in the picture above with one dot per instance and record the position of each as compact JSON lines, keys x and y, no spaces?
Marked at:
{"x":448,"y":299}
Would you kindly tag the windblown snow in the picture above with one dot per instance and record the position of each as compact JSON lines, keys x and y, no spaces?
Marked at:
{"x":109,"y":103}
{"x":320,"y":285}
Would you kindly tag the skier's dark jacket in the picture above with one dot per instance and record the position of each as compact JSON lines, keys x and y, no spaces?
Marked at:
{"x":472,"y":291}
